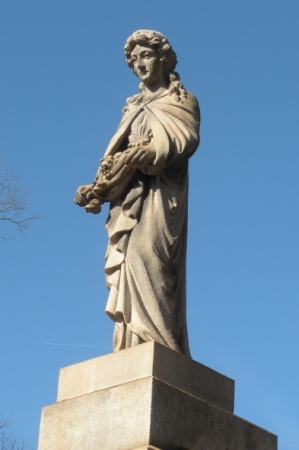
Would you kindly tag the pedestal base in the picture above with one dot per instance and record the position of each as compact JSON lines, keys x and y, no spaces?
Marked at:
{"x":151,"y":409}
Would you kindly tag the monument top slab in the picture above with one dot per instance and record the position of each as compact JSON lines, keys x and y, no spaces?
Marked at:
{"x":147,"y":360}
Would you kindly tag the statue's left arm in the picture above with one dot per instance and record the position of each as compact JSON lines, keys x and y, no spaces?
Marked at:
{"x":175,"y":129}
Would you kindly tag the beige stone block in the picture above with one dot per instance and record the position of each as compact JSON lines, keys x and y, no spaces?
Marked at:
{"x":181,"y":421}
{"x":110,"y":419}
{"x":143,"y":414}
{"x":149,"y":359}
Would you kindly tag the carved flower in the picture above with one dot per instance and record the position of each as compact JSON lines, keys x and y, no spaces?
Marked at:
{"x":106,"y":165}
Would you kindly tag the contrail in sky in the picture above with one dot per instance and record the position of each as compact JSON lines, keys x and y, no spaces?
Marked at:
{"x":73,"y":345}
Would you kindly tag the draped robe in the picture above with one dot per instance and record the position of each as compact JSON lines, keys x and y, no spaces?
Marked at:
{"x":147,"y":226}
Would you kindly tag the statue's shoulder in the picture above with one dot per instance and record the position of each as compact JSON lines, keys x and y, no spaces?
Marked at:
{"x":185,"y":100}
{"x":132,"y":103}
{"x":193,"y":104}
{"x":192,"y":99}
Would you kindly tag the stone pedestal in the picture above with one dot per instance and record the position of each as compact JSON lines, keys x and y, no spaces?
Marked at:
{"x":146,"y":398}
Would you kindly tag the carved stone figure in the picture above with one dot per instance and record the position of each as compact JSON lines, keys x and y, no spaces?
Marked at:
{"x":144,"y":176}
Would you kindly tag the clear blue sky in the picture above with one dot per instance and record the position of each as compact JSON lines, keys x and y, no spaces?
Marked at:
{"x":63,"y":84}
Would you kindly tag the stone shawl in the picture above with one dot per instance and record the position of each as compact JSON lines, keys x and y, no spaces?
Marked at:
{"x":147,"y":227}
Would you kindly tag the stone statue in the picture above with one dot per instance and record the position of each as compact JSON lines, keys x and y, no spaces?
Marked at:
{"x":144,"y":176}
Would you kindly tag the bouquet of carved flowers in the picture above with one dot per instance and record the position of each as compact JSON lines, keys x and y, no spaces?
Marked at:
{"x":111,"y":180}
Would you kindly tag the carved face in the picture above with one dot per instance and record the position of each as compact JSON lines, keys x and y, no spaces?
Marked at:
{"x":147,"y":64}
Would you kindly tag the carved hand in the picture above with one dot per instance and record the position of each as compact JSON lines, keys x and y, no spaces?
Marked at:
{"x":139,"y":157}
{"x":87,"y":197}
{"x":81,"y":197}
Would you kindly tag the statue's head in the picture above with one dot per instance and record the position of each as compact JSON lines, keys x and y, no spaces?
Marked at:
{"x":163,"y":61}
{"x":157,"y":42}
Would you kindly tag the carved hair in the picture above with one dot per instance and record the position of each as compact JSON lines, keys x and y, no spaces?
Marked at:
{"x":162,"y":47}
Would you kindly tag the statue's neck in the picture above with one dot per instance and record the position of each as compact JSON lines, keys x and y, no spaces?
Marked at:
{"x":153,"y":96}
{"x":152,"y":91}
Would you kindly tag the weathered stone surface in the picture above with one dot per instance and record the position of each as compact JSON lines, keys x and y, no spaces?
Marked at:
{"x":149,"y":359}
{"x":181,"y":421}
{"x":145,"y":413}
{"x":111,"y":419}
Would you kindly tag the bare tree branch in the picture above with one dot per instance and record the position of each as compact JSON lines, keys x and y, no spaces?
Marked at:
{"x":13,"y":203}
{"x":7,"y":440}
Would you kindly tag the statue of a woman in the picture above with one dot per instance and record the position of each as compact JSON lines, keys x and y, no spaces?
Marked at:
{"x":144,"y":176}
